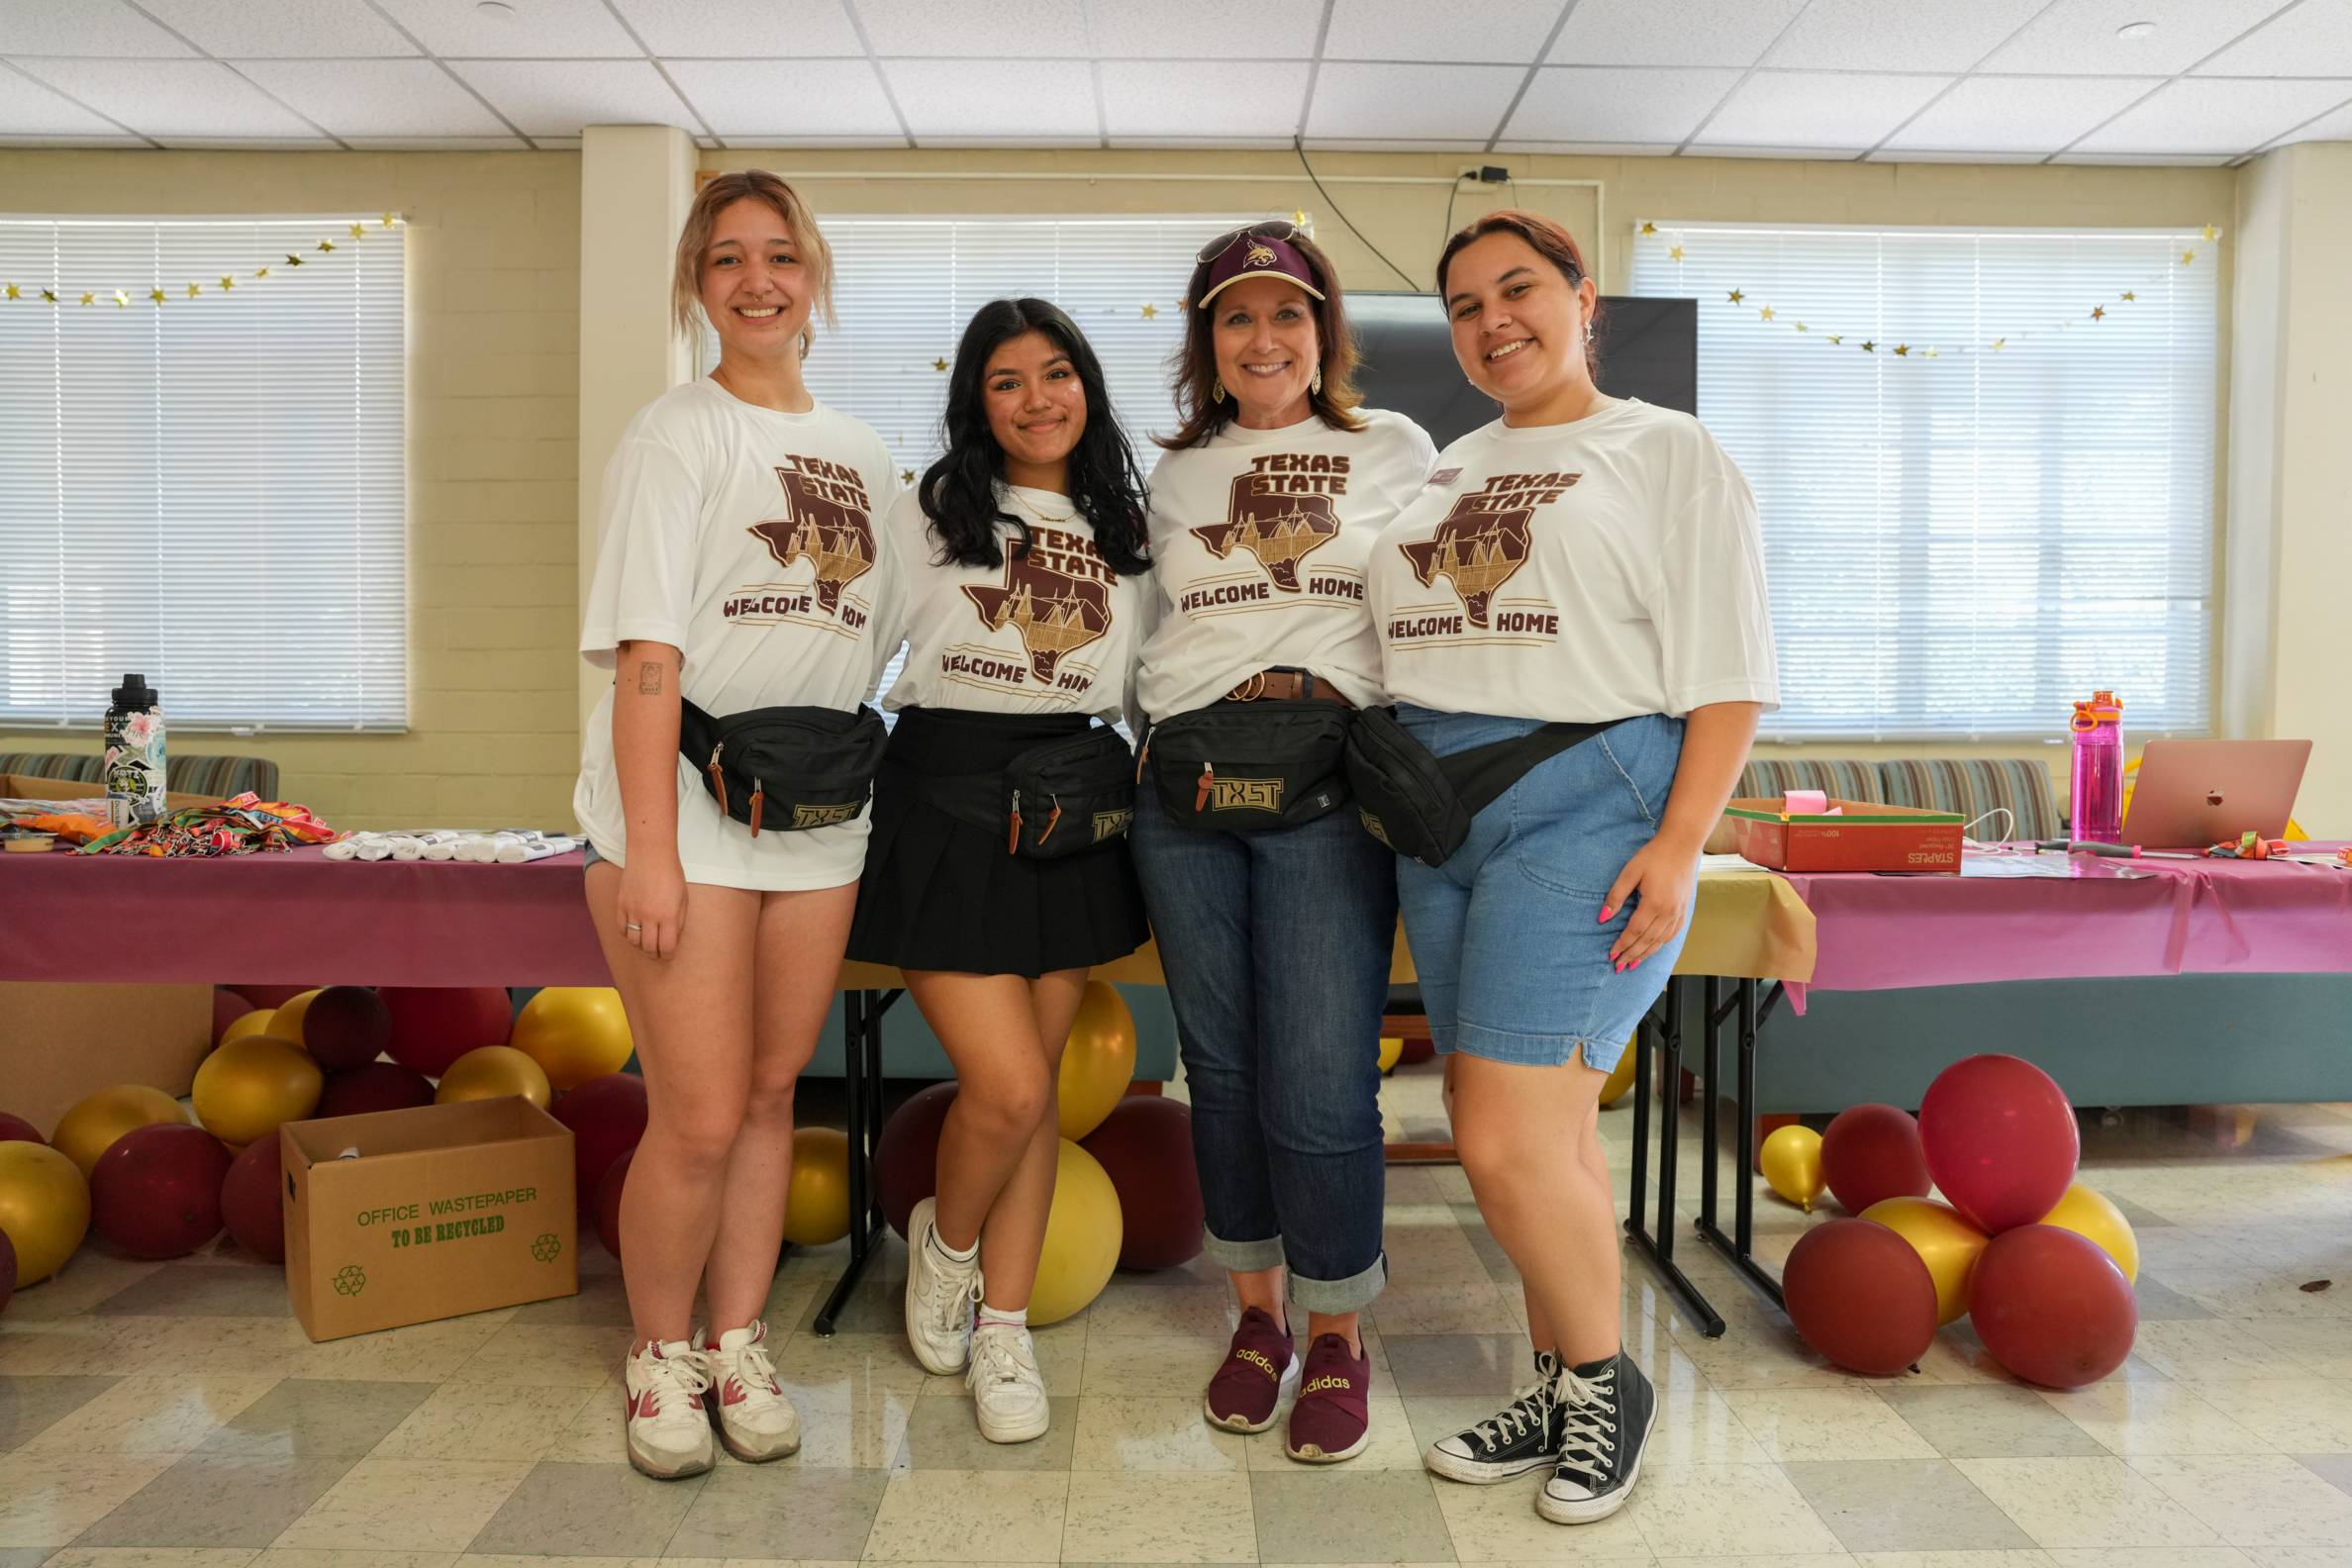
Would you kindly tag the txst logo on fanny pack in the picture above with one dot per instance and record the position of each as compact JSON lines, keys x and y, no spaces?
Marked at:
{"x":828,"y":524}
{"x":823,"y":815}
{"x":1244,"y":794}
{"x":1111,"y":824}
{"x":1482,"y":542}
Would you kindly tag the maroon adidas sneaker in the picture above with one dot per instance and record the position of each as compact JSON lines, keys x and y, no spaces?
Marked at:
{"x":1257,"y":1368}
{"x":1333,"y":1420}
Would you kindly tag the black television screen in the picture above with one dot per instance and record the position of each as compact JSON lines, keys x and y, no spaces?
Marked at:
{"x":1649,"y":349}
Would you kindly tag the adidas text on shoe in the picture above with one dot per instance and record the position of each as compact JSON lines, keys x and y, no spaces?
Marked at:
{"x":1258,"y":1369}
{"x":941,"y":1296}
{"x":1606,"y":1410}
{"x":1523,"y":1435}
{"x":1331,"y":1420}
{"x":667,"y":1433}
{"x":754,"y":1420}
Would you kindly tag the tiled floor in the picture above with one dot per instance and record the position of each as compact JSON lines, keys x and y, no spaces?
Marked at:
{"x":174,"y":1414}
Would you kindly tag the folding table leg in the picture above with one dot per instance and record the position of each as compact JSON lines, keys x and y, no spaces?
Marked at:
{"x":861,"y":1081}
{"x":1658,"y":1248}
{"x":1739,"y":1246}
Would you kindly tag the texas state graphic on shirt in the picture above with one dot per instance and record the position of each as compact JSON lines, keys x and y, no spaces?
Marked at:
{"x":827,"y":523}
{"x":1484,"y":538}
{"x":1057,"y":595}
{"x":1280,"y":511}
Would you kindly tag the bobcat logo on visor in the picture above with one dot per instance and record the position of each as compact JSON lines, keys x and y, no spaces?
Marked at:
{"x":828,"y":525}
{"x":1055,"y":612}
{"x":1279,"y":527}
{"x":1259,"y":256}
{"x":1484,"y":538}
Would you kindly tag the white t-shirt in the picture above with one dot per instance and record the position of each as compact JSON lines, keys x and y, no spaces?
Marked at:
{"x":748,"y":540}
{"x":1054,"y":630}
{"x":1580,"y":573}
{"x":1259,"y":540}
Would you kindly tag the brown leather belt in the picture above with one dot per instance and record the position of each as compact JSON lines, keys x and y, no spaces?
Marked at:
{"x":1285,"y":686}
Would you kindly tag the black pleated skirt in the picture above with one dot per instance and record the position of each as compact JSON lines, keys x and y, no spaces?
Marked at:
{"x":942,"y":894}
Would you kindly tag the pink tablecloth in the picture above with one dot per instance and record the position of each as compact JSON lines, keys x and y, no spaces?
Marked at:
{"x":295,"y":919}
{"x":2181,"y":917}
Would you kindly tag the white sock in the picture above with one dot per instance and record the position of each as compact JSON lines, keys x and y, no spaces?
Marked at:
{"x":949,"y":1252}
{"x":1018,"y":1318}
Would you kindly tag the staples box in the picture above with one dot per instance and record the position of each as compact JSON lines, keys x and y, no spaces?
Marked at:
{"x":402,"y":1216}
{"x":1866,"y":835}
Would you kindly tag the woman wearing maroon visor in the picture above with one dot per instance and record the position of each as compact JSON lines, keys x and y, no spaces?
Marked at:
{"x":1274,"y":910}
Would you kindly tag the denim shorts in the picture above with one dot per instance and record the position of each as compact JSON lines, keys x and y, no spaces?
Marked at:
{"x":588,"y":854}
{"x":1507,"y":935}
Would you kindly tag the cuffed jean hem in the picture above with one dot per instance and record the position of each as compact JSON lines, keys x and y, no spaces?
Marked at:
{"x":1351,"y":1294}
{"x":1242,"y":1257}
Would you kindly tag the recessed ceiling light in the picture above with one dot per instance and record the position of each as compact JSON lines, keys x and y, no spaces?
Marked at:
{"x":2135,"y":30}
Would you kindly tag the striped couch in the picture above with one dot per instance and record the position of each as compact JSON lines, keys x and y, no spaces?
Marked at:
{"x":1973,"y":787}
{"x":218,"y":776}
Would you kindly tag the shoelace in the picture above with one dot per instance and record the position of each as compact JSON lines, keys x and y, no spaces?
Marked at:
{"x":994,"y":1359}
{"x":1524,"y":1413}
{"x":754,"y":1370}
{"x":684,"y":1376}
{"x":1587,"y":1407}
{"x":946,"y":1304}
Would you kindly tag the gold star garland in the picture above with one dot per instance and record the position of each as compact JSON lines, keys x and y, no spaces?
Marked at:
{"x":1766,"y":314}
{"x":157,"y":295}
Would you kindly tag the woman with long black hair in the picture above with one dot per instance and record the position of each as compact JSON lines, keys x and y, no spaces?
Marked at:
{"x":999,"y":873}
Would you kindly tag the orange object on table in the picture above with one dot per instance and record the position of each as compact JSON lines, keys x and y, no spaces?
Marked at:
{"x":1864,"y":836}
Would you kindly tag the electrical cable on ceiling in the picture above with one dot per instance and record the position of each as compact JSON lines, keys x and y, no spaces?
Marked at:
{"x":1299,"y":146}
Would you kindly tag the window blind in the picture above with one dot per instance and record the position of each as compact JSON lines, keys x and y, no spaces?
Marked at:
{"x":1979,"y":502}
{"x":209,"y":491}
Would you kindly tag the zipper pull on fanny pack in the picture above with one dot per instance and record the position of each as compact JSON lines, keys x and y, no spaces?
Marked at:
{"x":758,"y":799}
{"x":719,"y":778}
{"x":1207,"y":783}
{"x":1013,"y":838}
{"x":1052,"y":822}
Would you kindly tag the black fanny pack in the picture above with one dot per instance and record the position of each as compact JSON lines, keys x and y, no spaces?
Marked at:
{"x":1058,"y":798}
{"x":1250,"y":767}
{"x":785,"y":768}
{"x":1419,"y":802}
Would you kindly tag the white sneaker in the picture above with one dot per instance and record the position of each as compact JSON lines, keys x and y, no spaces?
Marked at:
{"x":756,"y":1422}
{"x":1008,"y":1391}
{"x":669,"y":1435}
{"x":941,"y":1296}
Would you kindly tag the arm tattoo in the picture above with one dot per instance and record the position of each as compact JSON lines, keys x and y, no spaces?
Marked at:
{"x":648,"y":679}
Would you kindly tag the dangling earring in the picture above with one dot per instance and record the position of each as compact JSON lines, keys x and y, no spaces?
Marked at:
{"x":1217,"y":390}
{"x":1314,"y":382}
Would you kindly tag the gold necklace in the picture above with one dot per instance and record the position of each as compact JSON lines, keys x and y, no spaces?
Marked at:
{"x":1031,"y":507}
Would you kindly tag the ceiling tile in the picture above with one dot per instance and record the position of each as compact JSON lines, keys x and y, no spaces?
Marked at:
{"x":2336,"y":127}
{"x":2020,"y":114}
{"x":1412,"y":101}
{"x":1239,"y":98}
{"x":438,"y":144}
{"x":840,"y":98}
{"x":1593,"y":149}
{"x":2196,"y":115}
{"x":532,"y":29}
{"x":83,"y":26}
{"x":1199,"y":143}
{"x":1251,"y":29}
{"x":2077,"y":37}
{"x":559,"y":97}
{"x":996,"y":30}
{"x":1506,"y":30}
{"x":375,"y":98}
{"x":26,"y":108}
{"x":280,"y":32}
{"x":2313,"y":38}
{"x":1029,"y":100}
{"x":1896,"y":154}
{"x":249,"y":143}
{"x":743,"y":28}
{"x":1575,"y":104}
{"x":1899,"y":35}
{"x":1671,"y":32}
{"x":2145,"y":159}
{"x":1810,"y":108}
{"x":171,"y":100}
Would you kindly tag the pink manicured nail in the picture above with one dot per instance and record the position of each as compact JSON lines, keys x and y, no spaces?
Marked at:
{"x":1606,"y":911}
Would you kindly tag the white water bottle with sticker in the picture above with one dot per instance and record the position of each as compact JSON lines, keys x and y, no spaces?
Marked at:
{"x":134,"y":754}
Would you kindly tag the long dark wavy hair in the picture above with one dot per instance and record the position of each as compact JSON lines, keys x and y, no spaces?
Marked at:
{"x":1193,"y":367}
{"x":959,"y":493}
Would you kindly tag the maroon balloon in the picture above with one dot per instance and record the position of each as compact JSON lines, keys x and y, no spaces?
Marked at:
{"x":1145,"y":1146}
{"x":250,"y":1202}
{"x":608,"y":1202}
{"x":1873,"y":1151}
{"x":156,"y":1192}
{"x":434,"y":1025}
{"x":378,"y":1085}
{"x":2051,"y":1305}
{"x":2000,"y":1140}
{"x":907,"y":1155}
{"x":227,"y":1008}
{"x":1861,"y":1295}
{"x":607,"y":1116}
{"x":346,"y":1026}
{"x":7,"y":1270}
{"x":15,"y":1129}
{"x":1418,"y":1048}
{"x":263,"y":996}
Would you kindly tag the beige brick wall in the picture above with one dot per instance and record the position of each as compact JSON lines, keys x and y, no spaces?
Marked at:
{"x":493,"y":389}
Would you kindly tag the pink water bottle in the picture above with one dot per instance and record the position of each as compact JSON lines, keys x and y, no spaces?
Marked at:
{"x":2096,"y":803}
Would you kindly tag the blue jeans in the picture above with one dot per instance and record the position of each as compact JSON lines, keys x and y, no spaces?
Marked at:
{"x":1276,"y":948}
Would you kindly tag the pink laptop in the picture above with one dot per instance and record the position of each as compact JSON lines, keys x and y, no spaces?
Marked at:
{"x":2194,"y":793}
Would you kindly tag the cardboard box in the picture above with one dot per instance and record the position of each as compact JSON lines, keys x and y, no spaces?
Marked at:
{"x":24,"y":786}
{"x":443,"y":1209}
{"x":60,"y":1041}
{"x":1867,"y":835}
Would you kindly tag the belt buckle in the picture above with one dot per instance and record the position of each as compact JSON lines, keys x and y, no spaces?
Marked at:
{"x":1249,"y":690}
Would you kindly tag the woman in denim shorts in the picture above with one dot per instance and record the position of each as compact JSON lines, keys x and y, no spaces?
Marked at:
{"x":1584,"y":560}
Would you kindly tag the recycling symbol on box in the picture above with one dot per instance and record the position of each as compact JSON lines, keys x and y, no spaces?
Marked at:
{"x":546,"y":1248}
{"x":350,"y":1280}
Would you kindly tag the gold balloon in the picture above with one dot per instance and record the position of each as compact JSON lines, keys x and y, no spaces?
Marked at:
{"x":1392,"y":1047}
{"x":1948,"y":1245}
{"x":45,"y":1206}
{"x":90,"y":1128}
{"x":2088,"y":1214}
{"x":1082,"y":1238}
{"x":1621,"y":1078}
{"x":1099,"y":1062}
{"x":492,"y":1072}
{"x":287,"y":1026}
{"x":574,"y":1033}
{"x":257,"y":1022}
{"x":245,"y":1088}
{"x":818,"y":1210}
{"x":1792,"y":1161}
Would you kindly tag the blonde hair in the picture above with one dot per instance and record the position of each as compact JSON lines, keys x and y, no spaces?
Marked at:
{"x":722,"y":191}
